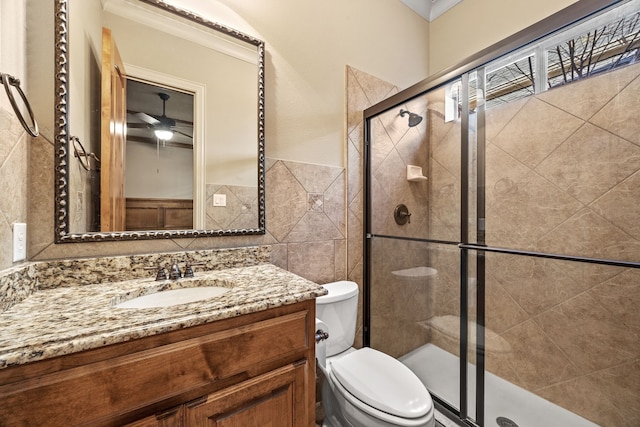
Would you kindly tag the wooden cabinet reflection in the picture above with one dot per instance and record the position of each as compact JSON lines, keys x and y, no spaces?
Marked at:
{"x":159,"y":214}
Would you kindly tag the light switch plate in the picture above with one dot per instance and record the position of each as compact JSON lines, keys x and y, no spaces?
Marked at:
{"x":219,"y":200}
{"x":19,"y":241}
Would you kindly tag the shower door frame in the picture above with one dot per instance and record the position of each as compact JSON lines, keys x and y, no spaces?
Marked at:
{"x":564,"y":18}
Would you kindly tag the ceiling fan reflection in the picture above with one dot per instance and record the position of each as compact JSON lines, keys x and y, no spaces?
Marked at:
{"x":163,"y":127}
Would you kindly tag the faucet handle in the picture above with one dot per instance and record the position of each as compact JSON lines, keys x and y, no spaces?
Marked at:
{"x":161,"y":272}
{"x":188,"y":270}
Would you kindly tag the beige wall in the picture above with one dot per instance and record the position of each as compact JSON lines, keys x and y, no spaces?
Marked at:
{"x":308,"y":45}
{"x":473,"y":25}
{"x":229,"y":83}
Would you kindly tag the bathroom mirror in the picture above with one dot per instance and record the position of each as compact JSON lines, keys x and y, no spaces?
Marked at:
{"x":127,"y":69}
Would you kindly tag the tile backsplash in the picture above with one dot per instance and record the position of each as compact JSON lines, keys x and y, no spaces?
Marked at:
{"x":299,"y":232}
{"x":13,"y":180}
{"x":305,"y":212}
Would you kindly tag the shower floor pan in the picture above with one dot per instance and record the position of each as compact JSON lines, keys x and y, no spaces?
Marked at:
{"x":439,"y":371}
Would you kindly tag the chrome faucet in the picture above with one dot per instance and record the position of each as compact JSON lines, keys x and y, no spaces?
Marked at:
{"x":174,"y":271}
{"x":161,"y":273}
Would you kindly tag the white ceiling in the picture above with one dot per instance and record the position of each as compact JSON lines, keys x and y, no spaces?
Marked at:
{"x":430,"y":9}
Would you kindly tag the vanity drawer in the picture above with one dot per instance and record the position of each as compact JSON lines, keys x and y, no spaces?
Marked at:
{"x":242,"y":349}
{"x":105,"y":392}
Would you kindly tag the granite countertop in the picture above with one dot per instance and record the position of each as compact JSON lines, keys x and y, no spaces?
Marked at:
{"x":63,"y":320}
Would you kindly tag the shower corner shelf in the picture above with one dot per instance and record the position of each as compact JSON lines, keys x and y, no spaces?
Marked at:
{"x":414,"y":174}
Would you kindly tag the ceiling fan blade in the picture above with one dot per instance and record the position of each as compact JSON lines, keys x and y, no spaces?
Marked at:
{"x":182,"y":133}
{"x":187,"y":129}
{"x":137,"y":125}
{"x":180,"y":122}
{"x":147,"y":118}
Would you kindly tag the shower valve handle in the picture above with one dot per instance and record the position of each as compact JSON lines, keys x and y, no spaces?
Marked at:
{"x":402,"y":215}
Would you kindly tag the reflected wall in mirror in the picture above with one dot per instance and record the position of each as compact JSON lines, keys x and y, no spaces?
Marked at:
{"x":126,"y":70}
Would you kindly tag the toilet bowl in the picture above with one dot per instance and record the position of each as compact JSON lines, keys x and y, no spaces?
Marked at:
{"x":364,"y":387}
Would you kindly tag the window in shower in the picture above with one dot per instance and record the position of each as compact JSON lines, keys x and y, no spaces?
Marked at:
{"x":509,"y":82}
{"x":613,"y":42}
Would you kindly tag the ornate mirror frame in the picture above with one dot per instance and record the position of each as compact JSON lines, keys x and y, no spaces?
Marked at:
{"x":62,"y":136}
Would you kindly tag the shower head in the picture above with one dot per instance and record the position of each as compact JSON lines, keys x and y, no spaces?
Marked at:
{"x":414,"y":119}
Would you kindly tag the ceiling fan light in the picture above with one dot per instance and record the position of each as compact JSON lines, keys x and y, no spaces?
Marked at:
{"x":163,"y":134}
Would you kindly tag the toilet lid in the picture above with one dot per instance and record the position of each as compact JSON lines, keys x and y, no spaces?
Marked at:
{"x":382,"y":382}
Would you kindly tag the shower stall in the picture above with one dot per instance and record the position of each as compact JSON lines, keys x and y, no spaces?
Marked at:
{"x":502,"y":229}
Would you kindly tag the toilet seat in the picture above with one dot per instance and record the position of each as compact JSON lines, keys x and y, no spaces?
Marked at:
{"x":382,"y":385}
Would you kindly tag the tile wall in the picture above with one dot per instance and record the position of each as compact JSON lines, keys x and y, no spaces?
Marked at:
{"x":14,"y":142}
{"x":304,"y":216}
{"x":305,"y":212}
{"x":362,"y":91}
{"x":238,"y":199}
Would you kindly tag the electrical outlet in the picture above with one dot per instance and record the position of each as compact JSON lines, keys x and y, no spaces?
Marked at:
{"x":19,"y":241}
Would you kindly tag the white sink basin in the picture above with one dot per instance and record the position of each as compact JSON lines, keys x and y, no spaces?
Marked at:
{"x":173,"y":297}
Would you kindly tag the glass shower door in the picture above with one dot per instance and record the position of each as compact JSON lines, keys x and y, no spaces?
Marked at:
{"x":557,"y":167}
{"x":511,"y":289}
{"x":414,"y":262}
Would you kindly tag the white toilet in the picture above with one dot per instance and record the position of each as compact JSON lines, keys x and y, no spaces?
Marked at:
{"x":365,"y":387}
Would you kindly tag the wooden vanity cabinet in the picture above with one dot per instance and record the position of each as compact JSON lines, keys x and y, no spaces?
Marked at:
{"x":276,"y":398}
{"x":272,"y":399}
{"x":172,"y":418}
{"x":253,"y":370}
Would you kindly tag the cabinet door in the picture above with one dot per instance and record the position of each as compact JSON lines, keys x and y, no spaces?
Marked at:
{"x":275,"y":399}
{"x":171,"y":418}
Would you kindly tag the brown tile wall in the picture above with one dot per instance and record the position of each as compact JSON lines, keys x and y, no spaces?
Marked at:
{"x":305,"y":214}
{"x":304,"y":217}
{"x":362,"y":91}
{"x":13,"y":181}
{"x":563,"y":176}
{"x":241,"y":210}
{"x":305,"y":205}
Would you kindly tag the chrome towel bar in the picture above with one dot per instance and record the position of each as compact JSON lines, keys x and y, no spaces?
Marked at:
{"x":9,"y":81}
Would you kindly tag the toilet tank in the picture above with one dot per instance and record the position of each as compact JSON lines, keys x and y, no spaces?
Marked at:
{"x":339,"y":310}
